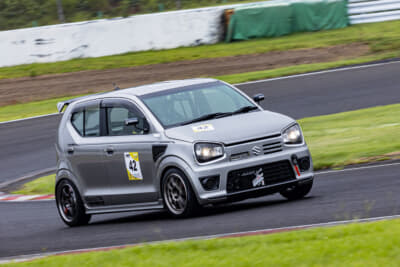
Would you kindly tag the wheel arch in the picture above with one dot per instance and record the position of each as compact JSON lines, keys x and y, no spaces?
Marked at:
{"x":174,"y":162}
{"x":65,"y":174}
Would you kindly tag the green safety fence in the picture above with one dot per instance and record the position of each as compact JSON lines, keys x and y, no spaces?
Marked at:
{"x":276,"y":18}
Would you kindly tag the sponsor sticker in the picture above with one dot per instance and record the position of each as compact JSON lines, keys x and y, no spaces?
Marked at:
{"x":203,"y":128}
{"x":132,"y":165}
{"x":259,"y":180}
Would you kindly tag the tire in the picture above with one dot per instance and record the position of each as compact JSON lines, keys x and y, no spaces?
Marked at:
{"x":69,"y":204}
{"x":298,"y":191}
{"x":179,"y":198}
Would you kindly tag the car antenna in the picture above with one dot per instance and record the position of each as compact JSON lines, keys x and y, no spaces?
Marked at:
{"x":116,"y":87}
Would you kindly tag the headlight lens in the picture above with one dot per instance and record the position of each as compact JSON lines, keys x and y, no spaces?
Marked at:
{"x":208,"y":151}
{"x":292,"y":135}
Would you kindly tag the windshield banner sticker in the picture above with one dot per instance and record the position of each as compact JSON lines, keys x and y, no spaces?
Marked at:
{"x":132,"y":165}
{"x":203,"y":128}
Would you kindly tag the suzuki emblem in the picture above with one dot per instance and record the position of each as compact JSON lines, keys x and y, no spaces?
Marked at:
{"x":256,"y":150}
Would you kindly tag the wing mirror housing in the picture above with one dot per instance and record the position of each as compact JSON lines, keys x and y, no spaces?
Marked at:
{"x":135,"y":121}
{"x":131,"y":121}
{"x":258,"y":98}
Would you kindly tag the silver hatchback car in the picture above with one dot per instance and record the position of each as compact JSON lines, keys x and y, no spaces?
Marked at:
{"x":175,"y":145}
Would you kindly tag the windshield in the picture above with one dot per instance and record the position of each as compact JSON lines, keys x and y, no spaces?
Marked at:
{"x":191,"y":104}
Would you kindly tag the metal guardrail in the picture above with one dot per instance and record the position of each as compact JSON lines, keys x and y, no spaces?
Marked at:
{"x":365,"y":11}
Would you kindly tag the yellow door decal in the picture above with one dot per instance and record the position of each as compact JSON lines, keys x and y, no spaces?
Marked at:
{"x":132,"y":165}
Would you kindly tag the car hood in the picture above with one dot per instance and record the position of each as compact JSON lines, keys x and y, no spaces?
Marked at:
{"x":232,"y":129}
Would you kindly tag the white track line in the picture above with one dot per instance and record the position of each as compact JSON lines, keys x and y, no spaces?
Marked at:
{"x":320,"y":72}
{"x":227,"y":235}
{"x":358,"y":168}
{"x":30,"y":118}
{"x":261,"y":81}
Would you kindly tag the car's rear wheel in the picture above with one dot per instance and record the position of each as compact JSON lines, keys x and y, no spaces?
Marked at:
{"x":178,"y":194}
{"x":70,"y":205}
{"x":298,"y":191}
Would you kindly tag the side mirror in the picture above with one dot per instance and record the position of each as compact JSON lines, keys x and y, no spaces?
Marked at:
{"x":258,"y":98}
{"x":135,"y":122}
{"x":146,"y":126}
{"x":131,"y":121}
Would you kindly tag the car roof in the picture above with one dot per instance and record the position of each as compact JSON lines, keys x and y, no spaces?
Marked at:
{"x":139,"y":90}
{"x":162,"y":86}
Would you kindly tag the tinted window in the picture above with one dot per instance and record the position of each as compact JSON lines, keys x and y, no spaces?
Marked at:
{"x":92,"y":121}
{"x":86,"y":121}
{"x":77,"y":122}
{"x":116,"y":117}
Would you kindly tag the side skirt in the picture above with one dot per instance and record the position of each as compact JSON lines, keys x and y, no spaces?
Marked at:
{"x":125,"y":208}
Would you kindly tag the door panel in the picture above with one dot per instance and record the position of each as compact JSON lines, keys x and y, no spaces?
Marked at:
{"x":86,"y":156}
{"x":88,"y":163}
{"x":128,"y":188}
{"x":129,"y":163}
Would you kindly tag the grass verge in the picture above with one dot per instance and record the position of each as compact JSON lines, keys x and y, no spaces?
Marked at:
{"x":352,"y":137}
{"x":36,"y":108}
{"x":42,"y":186}
{"x":31,"y":109}
{"x":364,"y":244}
{"x":334,"y":140}
{"x":381,"y":37}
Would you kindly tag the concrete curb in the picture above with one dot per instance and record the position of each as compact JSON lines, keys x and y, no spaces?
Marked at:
{"x":9,"y":185}
{"x":29,"y":176}
{"x":22,"y":198}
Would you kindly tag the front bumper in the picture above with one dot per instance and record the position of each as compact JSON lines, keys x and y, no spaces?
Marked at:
{"x":258,"y":192}
{"x":223,"y":168}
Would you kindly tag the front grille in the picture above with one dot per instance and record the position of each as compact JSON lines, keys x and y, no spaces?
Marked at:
{"x":273,"y":173}
{"x":272,"y":147}
{"x":252,"y":140}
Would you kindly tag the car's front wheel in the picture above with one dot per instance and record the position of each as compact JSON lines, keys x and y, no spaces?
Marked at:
{"x":178,"y":194}
{"x":298,"y":191}
{"x":70,"y":205}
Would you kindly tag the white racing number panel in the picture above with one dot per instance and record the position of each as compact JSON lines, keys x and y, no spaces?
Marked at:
{"x":132,"y":165}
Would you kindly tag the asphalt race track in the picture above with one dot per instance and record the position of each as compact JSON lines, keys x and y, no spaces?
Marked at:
{"x":28,"y":146}
{"x":27,"y":228}
{"x":34,"y":227}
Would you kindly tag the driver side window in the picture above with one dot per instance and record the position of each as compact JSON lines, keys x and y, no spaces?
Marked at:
{"x":117,"y":114}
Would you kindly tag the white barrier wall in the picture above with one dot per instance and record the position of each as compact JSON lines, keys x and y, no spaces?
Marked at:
{"x":109,"y":37}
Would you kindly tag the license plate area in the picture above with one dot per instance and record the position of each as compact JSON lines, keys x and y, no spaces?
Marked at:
{"x":260,"y":176}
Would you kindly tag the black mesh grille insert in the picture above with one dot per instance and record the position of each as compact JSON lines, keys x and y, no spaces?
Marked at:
{"x":273,"y":173}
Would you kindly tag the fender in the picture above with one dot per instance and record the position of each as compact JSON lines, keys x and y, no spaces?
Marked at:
{"x":179,"y":163}
{"x":64,"y":173}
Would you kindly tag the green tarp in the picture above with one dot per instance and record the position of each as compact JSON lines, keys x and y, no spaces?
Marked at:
{"x":276,"y":18}
{"x":319,"y":15}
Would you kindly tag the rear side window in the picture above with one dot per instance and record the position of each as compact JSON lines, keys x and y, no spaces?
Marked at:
{"x":86,"y":121}
{"x":92,"y":121}
{"x":77,"y":122}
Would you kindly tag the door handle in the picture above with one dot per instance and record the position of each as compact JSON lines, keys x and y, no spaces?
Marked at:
{"x":109,"y":150}
{"x":70,"y":150}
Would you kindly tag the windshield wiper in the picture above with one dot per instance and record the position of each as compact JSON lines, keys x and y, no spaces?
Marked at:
{"x":207,"y":117}
{"x":244,"y":109}
{"x":216,"y":115}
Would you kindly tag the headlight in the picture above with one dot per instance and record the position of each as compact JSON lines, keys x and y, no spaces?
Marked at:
{"x":292,"y":135}
{"x":208,"y":151}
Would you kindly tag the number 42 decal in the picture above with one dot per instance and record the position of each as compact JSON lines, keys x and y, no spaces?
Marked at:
{"x":132,"y":164}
